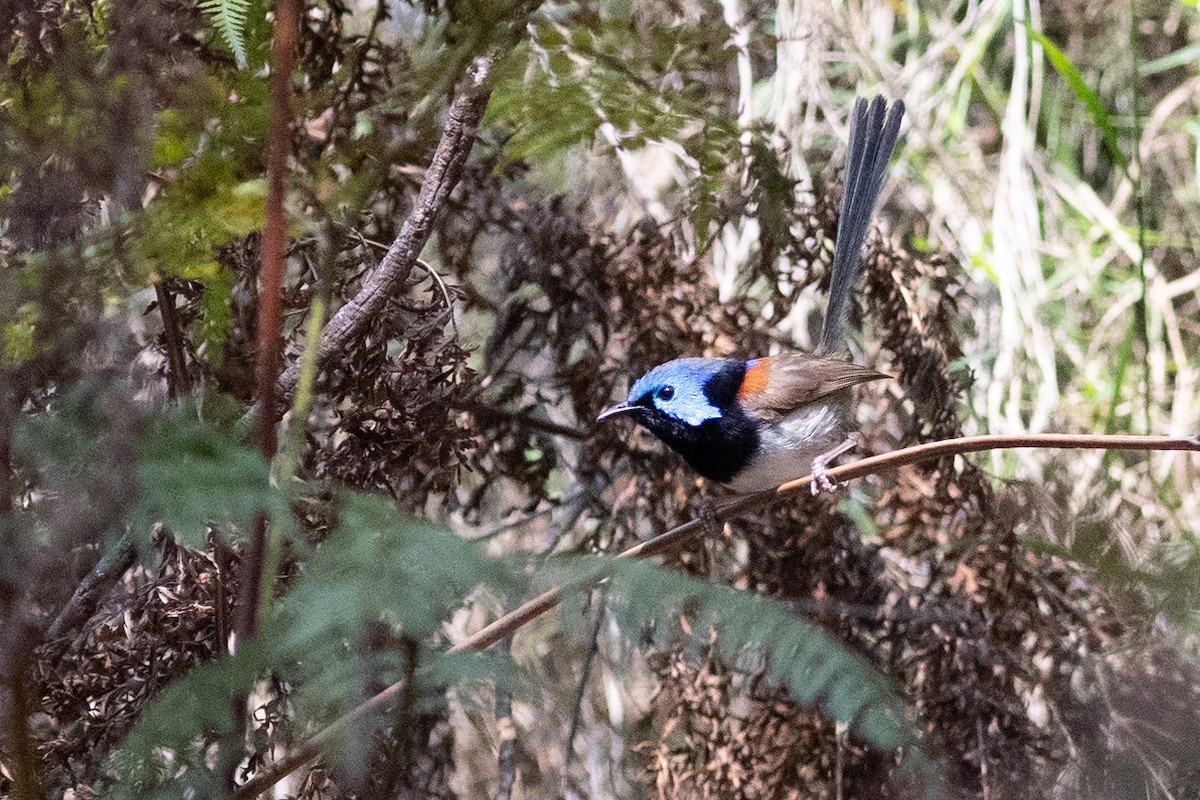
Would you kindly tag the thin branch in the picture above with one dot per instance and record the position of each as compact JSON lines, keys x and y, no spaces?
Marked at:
{"x":313,"y":747}
{"x":274,"y":238}
{"x":444,"y":170}
{"x":491,"y":413}
{"x":385,"y":280}
{"x":257,"y":574}
{"x":26,"y":782}
{"x":532,"y":609}
{"x":177,"y":377}
{"x":430,"y":271}
{"x":270,"y":291}
{"x":88,"y":594}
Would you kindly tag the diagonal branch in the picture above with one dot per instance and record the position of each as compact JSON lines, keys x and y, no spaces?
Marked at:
{"x":458,"y":135}
{"x":89,"y":594}
{"x":663,"y":543}
{"x":443,"y":173}
{"x":532,"y":609}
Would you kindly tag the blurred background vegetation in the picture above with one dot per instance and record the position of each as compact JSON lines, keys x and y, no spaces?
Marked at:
{"x":650,"y":179}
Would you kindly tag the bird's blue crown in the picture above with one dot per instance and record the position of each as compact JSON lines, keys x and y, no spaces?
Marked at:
{"x":679,"y":388}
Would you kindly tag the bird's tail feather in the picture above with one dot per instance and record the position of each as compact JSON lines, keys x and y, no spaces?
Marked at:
{"x":872,"y":139}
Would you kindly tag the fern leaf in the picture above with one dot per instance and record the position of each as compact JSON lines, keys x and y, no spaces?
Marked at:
{"x":817,"y":669}
{"x":229,"y":18}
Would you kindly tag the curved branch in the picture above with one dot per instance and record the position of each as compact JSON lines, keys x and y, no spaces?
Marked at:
{"x":458,"y":135}
{"x":532,"y":609}
{"x":443,"y":173}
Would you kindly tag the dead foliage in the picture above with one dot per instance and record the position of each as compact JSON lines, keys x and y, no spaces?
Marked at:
{"x":163,"y":622}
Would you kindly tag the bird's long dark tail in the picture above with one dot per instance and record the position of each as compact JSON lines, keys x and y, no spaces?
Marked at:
{"x":872,"y":139}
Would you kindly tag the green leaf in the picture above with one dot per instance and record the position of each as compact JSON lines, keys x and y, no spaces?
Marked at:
{"x":379,"y":571}
{"x":378,"y":568}
{"x":381,"y":564}
{"x":1069,"y":72}
{"x":206,"y":208}
{"x":191,"y":475}
{"x":1186,"y":56}
{"x":816,"y":668}
{"x":229,"y":18}
{"x":554,"y":91}
{"x":18,"y":342}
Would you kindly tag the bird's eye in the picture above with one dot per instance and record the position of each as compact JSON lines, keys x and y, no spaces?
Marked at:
{"x":665,"y":393}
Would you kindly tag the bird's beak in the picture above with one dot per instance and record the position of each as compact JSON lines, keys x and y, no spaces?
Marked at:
{"x":619,"y":408}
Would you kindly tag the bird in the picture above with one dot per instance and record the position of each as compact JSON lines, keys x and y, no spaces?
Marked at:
{"x":754,"y":424}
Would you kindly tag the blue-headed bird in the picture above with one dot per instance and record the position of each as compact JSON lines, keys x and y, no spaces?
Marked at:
{"x":755,"y":424}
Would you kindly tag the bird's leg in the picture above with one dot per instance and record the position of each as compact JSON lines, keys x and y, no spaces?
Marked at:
{"x":821,"y":480}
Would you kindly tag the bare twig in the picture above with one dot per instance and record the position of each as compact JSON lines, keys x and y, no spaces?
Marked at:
{"x":430,"y":271}
{"x":313,"y":747}
{"x":88,"y":594}
{"x":274,"y":238}
{"x":270,"y":291}
{"x":444,"y":170}
{"x":493,"y":413}
{"x":532,"y":609}
{"x":384,"y":281}
{"x":177,"y":377}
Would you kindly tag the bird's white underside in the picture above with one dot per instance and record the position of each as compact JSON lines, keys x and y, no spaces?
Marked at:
{"x":788,"y":447}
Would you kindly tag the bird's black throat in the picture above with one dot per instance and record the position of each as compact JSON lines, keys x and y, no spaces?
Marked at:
{"x":717,"y":448}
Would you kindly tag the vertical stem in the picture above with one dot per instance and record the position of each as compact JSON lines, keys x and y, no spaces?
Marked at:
{"x":223,"y":557}
{"x":506,"y":757}
{"x":270,"y":340}
{"x":984,"y":782}
{"x":270,"y":313}
{"x":270,"y":287}
{"x":1141,"y":312}
{"x":406,"y":712}
{"x":9,"y":407}
{"x":26,"y":785}
{"x":289,"y":457}
{"x":14,"y":648}
{"x":177,"y":379}
{"x":839,"y":767}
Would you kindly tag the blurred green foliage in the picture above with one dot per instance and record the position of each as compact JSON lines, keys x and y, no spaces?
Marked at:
{"x":192,"y":475}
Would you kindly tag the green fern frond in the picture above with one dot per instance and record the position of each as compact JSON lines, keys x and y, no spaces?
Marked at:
{"x":229,"y":18}
{"x":815,"y":667}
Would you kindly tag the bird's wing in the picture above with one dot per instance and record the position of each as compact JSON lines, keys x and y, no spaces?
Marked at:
{"x":777,"y":386}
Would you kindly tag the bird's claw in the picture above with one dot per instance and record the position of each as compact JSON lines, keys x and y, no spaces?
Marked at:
{"x":820,"y":478}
